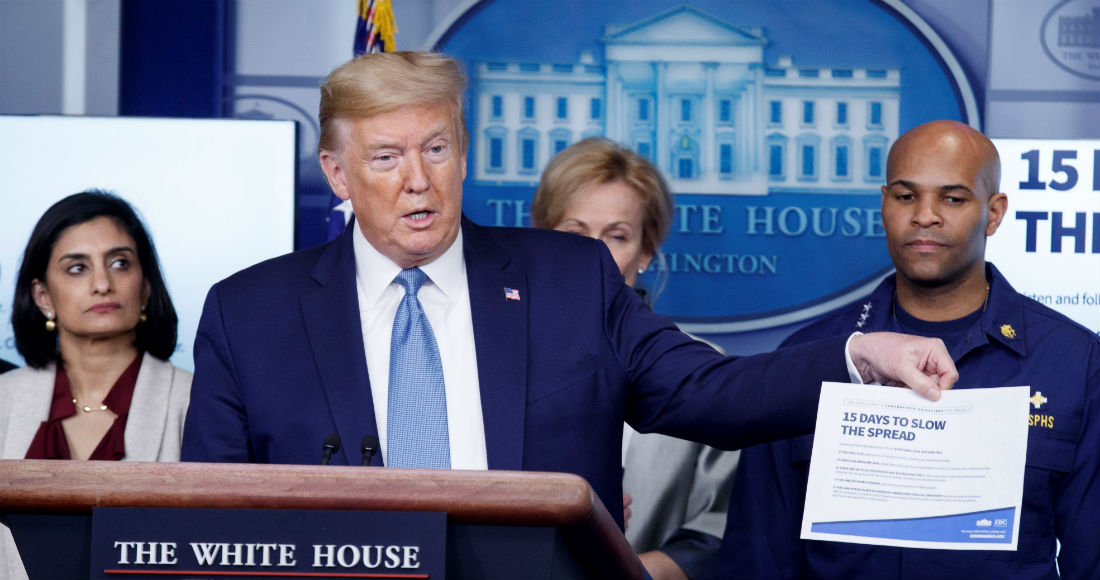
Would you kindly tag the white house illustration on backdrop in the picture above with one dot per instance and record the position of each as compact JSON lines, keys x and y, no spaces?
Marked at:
{"x":692,"y":93}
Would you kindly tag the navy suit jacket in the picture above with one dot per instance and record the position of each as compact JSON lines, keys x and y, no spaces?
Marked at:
{"x":279,"y":363}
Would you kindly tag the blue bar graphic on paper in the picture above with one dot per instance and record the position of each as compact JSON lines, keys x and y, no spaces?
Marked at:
{"x":984,"y":527}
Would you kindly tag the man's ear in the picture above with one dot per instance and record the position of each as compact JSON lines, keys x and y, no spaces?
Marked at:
{"x":334,"y":173}
{"x":996,"y":208}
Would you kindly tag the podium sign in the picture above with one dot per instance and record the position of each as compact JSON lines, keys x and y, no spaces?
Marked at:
{"x":111,"y":519}
{"x":191,"y":542}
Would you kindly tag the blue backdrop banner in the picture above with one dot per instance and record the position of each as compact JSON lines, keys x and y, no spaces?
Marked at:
{"x":770,"y":120}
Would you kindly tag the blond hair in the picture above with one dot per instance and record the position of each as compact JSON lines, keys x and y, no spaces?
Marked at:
{"x":596,"y":161}
{"x":377,"y":83}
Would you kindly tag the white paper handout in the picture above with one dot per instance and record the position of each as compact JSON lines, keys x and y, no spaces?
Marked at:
{"x":890,"y":468}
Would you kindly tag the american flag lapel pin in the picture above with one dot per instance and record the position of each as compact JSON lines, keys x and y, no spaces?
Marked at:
{"x":511,"y":294}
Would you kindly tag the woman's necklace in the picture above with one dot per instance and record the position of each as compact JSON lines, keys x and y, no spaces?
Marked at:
{"x":89,"y":408}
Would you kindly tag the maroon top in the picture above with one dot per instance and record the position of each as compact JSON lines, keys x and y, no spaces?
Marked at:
{"x":50,"y":443}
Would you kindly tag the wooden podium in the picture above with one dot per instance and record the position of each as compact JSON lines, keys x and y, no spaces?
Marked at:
{"x":550,"y":525}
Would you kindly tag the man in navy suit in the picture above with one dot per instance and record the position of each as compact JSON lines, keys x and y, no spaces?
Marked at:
{"x":544,"y":350}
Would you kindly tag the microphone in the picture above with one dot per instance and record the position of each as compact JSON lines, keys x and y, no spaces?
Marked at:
{"x":369,"y":447}
{"x":330,"y":446}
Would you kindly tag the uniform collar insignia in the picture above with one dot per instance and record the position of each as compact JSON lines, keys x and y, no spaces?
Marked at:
{"x":1038,"y":399}
{"x":864,"y":315}
{"x":1008,"y":332}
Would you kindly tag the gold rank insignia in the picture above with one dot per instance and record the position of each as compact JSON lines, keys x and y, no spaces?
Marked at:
{"x":1007,"y":331}
{"x":1038,"y":399}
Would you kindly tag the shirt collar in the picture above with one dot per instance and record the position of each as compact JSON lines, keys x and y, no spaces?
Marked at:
{"x":448,"y":272}
{"x":375,"y":272}
{"x":1004,"y":319}
{"x":1001,"y":322}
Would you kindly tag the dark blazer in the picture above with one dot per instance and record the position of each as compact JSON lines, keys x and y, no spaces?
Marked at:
{"x":279,"y":363}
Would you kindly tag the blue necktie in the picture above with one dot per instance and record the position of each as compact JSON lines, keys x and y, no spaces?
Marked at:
{"x":416,"y":421}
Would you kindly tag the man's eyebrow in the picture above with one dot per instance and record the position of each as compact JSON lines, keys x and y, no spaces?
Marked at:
{"x":955,"y":187}
{"x":439,"y":132}
{"x":942,"y":189}
{"x":901,"y":183}
{"x":377,"y":146}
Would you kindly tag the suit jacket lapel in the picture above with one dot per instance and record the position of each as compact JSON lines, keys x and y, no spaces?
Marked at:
{"x":148,"y":410}
{"x":32,"y":394}
{"x":331,"y":315}
{"x":500,"y":336}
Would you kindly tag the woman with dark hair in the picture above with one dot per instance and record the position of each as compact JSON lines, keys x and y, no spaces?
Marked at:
{"x":93,"y":320}
{"x":680,"y":489}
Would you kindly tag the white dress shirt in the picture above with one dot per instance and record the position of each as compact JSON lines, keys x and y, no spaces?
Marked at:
{"x":446,"y":301}
{"x":853,"y":372}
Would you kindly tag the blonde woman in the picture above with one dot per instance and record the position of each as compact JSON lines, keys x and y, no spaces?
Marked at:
{"x":679,"y":489}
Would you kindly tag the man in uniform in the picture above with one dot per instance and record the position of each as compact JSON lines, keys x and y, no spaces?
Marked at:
{"x":939,"y":205}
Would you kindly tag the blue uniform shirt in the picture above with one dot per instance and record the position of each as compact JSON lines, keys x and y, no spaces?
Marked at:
{"x":1013,"y":341}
